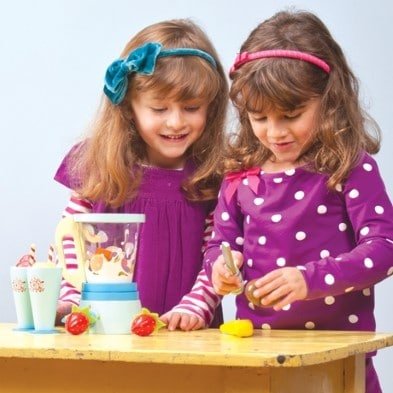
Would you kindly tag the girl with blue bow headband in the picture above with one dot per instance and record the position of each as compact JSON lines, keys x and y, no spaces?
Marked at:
{"x":155,"y":148}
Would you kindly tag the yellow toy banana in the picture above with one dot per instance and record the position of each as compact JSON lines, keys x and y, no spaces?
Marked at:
{"x":238,"y":328}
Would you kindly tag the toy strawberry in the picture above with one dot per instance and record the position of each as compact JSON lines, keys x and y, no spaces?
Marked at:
{"x":146,"y":323}
{"x":79,"y":320}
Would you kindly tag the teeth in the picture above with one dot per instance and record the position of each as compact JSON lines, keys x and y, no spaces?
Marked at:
{"x":173,"y":136}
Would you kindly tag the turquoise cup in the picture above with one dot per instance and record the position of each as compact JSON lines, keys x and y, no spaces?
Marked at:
{"x":21,"y":296}
{"x":44,"y":288}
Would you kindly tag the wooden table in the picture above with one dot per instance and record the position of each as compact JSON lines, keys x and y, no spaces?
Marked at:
{"x":277,"y":361}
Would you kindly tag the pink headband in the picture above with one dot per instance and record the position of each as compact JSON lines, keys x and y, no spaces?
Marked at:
{"x":245,"y":57}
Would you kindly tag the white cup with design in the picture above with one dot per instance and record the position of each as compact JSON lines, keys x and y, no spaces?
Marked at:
{"x":21,"y":295}
{"x":44,"y":281}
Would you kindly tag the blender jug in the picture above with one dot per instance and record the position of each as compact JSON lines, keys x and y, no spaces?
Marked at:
{"x":98,"y":247}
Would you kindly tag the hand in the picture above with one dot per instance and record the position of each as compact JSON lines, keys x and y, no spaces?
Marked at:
{"x":183,"y":321}
{"x":223,"y":280}
{"x":281,"y":287}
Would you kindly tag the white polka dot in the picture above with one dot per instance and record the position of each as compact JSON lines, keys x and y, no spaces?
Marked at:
{"x":368,"y":262}
{"x":299,"y":195}
{"x":249,"y":262}
{"x":350,"y":289}
{"x":353,"y":318}
{"x":262,"y":240}
{"x":324,"y":253}
{"x":367,"y":167}
{"x":290,"y":172}
{"x":262,"y":172}
{"x":213,"y":234}
{"x":321,"y":209}
{"x":390,"y":271}
{"x":338,"y":259}
{"x":379,"y":209}
{"x":266,"y":326}
{"x":281,"y":261}
{"x":300,"y":267}
{"x":245,"y":182}
{"x":309,"y":325}
{"x":366,"y":292}
{"x":277,"y":180}
{"x":251,"y":305}
{"x":239,"y":240}
{"x":225,"y":244}
{"x":287,"y":307}
{"x":342,"y":226}
{"x":339,"y":187}
{"x":329,"y":300}
{"x":364,"y":231}
{"x":329,"y":279}
{"x":225,"y":216}
{"x":300,"y":235}
{"x":276,"y":217}
{"x":354,"y":193}
{"x":248,"y":219}
{"x":258,"y":201}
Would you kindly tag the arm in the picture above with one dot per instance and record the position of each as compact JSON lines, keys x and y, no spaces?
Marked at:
{"x":196,"y":309}
{"x":68,"y":294}
{"x":370,"y":214}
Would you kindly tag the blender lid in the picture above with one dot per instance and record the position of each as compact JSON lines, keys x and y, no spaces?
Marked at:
{"x":114,"y":218}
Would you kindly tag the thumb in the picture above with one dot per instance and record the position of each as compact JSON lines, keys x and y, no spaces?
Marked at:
{"x":238,"y":258}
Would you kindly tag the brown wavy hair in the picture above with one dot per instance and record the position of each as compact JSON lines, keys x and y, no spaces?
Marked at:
{"x":109,"y":158}
{"x":286,"y":84}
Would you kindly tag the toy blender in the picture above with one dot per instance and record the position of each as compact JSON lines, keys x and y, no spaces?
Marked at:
{"x":98,"y":254}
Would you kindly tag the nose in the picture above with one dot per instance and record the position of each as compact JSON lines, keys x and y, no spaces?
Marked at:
{"x":175,"y":120}
{"x":276,"y":129}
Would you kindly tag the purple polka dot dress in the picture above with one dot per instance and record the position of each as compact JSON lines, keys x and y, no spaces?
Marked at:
{"x":341,"y":241}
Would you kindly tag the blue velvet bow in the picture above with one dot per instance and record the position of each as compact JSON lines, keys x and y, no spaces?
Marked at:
{"x":142,"y":60}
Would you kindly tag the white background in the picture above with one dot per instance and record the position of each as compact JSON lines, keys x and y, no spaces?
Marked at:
{"x":53,"y":57}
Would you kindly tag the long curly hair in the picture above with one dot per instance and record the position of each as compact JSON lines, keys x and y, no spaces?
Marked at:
{"x":285,"y":84}
{"x":107,"y":161}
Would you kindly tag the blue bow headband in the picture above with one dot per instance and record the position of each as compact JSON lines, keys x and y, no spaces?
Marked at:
{"x":142,"y":60}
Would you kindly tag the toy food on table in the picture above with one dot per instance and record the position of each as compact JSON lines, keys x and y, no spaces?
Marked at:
{"x":146,"y":323}
{"x":238,"y":328}
{"x":79,"y":320}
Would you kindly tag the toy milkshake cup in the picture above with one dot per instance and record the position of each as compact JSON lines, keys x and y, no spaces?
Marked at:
{"x":44,"y":281}
{"x":104,"y":247}
{"x":21,"y":294}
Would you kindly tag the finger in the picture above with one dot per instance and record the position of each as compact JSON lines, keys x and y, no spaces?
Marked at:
{"x":269,"y":277}
{"x":188,"y":322}
{"x":174,"y":321}
{"x":269,"y":288}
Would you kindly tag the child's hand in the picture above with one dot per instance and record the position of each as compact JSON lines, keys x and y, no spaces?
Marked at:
{"x":223,"y":280}
{"x":282,"y":287}
{"x":183,"y":321}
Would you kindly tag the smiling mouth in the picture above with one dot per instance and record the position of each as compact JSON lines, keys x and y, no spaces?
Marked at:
{"x":174,"y":137}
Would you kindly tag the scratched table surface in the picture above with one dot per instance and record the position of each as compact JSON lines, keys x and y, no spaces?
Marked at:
{"x":267,"y":348}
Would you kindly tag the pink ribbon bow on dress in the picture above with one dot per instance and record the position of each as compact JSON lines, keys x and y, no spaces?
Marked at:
{"x":234,"y":179}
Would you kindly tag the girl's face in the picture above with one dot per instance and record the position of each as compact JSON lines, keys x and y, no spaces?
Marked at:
{"x":285,"y":134}
{"x":168,"y":127}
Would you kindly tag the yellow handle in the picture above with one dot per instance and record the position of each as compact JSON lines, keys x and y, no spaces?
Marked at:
{"x":67,"y":227}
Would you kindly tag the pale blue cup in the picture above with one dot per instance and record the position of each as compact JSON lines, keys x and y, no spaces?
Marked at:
{"x":21,"y":295}
{"x":44,"y":288}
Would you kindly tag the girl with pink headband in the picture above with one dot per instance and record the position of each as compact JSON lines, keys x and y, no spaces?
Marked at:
{"x":155,"y":148}
{"x":303,"y":205}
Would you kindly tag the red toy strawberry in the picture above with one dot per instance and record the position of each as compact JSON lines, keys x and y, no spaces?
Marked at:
{"x":146,"y":323}
{"x":79,"y":320}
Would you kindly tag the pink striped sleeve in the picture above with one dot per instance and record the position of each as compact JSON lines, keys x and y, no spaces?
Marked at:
{"x":76,"y":204}
{"x":202,"y":299}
